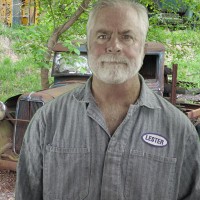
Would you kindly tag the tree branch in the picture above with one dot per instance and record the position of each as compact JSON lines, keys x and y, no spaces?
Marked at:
{"x":61,"y":29}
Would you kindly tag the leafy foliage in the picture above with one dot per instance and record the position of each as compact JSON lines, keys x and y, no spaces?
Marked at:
{"x":180,"y":39}
{"x":30,"y":42}
{"x":58,"y":13}
{"x":17,"y":77}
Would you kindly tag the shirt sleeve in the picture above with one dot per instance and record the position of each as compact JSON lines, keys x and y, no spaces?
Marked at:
{"x":189,"y":188}
{"x":30,"y":166}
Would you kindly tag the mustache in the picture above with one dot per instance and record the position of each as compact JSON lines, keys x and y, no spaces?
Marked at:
{"x":113,"y":58}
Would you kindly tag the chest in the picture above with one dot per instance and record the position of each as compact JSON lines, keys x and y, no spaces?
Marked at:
{"x":99,"y":167}
{"x":114,"y":115}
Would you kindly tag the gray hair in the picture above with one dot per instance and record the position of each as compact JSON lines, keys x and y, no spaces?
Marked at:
{"x":139,"y":8}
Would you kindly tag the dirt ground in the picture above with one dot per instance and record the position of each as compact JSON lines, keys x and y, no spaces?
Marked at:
{"x":7,"y":185}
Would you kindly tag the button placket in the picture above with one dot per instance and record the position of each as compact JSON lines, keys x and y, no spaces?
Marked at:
{"x":111,"y":178}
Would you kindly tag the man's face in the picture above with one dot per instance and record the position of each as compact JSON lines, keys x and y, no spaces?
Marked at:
{"x":115,"y":47}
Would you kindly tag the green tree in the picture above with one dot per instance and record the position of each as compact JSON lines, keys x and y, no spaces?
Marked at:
{"x":65,"y":21}
{"x":59,"y":16}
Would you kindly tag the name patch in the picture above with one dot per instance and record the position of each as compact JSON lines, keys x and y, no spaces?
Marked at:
{"x":154,"y":139}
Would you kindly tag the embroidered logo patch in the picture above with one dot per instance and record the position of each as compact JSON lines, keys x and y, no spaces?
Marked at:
{"x":154,"y":139}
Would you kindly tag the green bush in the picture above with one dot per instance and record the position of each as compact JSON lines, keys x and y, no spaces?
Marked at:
{"x":18,"y":77}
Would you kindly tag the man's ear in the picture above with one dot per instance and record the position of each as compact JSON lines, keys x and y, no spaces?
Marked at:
{"x":145,"y":47}
{"x":87,"y":43}
{"x":144,"y":50}
{"x":86,"y":46}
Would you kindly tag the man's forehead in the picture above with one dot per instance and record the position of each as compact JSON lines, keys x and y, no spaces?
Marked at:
{"x":116,"y":17}
{"x":120,"y":11}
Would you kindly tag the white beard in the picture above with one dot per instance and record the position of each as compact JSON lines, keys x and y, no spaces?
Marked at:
{"x":114,"y":69}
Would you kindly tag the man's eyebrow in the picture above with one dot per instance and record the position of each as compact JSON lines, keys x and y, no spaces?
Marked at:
{"x":102,"y":31}
{"x":126,"y":32}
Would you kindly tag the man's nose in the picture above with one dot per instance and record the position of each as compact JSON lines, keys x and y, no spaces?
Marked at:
{"x":114,"y":46}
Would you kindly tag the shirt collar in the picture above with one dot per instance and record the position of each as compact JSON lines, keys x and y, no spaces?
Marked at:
{"x":146,"y":98}
{"x":83,"y":93}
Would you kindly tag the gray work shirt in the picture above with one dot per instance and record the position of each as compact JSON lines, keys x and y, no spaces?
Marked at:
{"x":68,"y":153}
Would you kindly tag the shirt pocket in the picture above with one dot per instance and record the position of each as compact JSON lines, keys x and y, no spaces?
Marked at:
{"x":149,"y":177}
{"x":66,"y":173}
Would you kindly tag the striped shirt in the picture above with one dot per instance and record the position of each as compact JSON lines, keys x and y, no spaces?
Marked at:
{"x":68,"y":153}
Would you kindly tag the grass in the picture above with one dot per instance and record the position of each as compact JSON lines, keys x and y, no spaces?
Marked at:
{"x":17,"y":78}
{"x":188,"y":56}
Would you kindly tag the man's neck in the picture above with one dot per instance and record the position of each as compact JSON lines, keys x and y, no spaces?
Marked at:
{"x":122,"y":94}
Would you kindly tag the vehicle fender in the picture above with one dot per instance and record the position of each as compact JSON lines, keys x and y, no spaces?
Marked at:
{"x":6,"y":135}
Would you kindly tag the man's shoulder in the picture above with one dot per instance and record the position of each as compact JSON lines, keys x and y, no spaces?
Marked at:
{"x":171,"y":111}
{"x":63,"y":102}
{"x":172,"y":118}
{"x":166,"y":105}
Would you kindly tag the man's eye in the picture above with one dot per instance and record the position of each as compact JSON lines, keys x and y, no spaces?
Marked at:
{"x":127,"y":37}
{"x":102,"y":37}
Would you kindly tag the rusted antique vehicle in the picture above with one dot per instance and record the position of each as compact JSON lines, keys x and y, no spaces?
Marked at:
{"x":70,"y":71}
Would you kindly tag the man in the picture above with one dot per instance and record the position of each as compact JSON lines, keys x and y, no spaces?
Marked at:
{"x":113,"y":138}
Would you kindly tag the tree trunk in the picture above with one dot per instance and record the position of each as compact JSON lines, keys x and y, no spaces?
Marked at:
{"x":44,"y":78}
